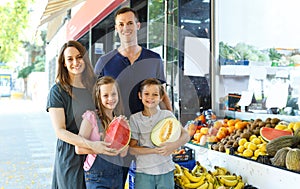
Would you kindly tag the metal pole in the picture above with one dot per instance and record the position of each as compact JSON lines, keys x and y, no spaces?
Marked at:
{"x":90,"y":43}
{"x":166,"y":37}
{"x":213,"y":63}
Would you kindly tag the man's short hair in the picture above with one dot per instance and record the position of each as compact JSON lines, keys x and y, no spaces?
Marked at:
{"x":127,"y":9}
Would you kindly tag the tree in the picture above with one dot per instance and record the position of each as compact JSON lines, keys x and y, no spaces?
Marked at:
{"x":24,"y":73}
{"x":37,"y":56}
{"x":13,"y":19}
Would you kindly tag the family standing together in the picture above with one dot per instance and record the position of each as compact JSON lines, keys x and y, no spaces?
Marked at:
{"x":130,"y":84}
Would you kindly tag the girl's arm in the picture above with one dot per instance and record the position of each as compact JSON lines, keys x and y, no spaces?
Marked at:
{"x":57,"y":116}
{"x":134,"y":149}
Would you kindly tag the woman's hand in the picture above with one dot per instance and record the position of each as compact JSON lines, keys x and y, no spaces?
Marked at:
{"x":124,"y":151}
{"x":101,"y":147}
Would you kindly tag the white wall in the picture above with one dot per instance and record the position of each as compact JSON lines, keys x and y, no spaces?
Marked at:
{"x":262,"y":23}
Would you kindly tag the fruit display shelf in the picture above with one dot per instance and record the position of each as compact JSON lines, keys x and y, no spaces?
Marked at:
{"x":254,"y":173}
{"x":248,"y":116}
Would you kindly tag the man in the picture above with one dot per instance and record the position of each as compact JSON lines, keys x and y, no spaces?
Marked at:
{"x":130,"y":64}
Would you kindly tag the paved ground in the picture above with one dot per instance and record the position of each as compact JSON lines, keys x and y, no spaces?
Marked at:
{"x":27,"y":143}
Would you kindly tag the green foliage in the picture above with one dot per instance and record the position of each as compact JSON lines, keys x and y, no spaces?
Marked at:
{"x":241,"y":51}
{"x":39,"y":64}
{"x":13,"y":19}
{"x":274,"y":55}
{"x":24,"y":73}
{"x":37,"y":53}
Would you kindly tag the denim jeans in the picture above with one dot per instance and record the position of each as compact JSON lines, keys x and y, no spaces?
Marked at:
{"x":104,"y":175}
{"x":146,"y":181}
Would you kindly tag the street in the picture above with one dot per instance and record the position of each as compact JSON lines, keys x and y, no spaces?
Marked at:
{"x":27,"y":145}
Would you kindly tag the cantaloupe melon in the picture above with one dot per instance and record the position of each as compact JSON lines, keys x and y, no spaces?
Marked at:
{"x":166,"y":130}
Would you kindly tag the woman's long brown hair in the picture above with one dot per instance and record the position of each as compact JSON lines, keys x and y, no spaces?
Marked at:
{"x":88,"y":77}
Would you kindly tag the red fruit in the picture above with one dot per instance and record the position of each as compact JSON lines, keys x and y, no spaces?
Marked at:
{"x":118,"y":133}
{"x":268,"y":133}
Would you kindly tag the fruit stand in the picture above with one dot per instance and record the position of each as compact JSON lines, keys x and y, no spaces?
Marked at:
{"x":257,"y":174}
{"x":260,"y":168}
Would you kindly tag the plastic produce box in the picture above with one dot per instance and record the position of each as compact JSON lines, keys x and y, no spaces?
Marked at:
{"x":183,"y":154}
{"x":185,"y":157}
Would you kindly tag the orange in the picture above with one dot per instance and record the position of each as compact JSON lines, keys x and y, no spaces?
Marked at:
{"x":224,"y":130}
{"x":204,"y":130}
{"x":218,"y":124}
{"x":240,"y":124}
{"x":231,"y":129}
{"x":221,"y":135}
{"x":231,"y":122}
{"x":192,"y":129}
{"x":201,"y":118}
{"x":197,"y":136}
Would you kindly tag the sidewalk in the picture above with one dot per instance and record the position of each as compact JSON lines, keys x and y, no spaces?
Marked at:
{"x":27,"y":143}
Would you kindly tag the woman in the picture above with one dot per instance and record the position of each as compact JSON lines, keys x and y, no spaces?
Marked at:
{"x":68,"y":99}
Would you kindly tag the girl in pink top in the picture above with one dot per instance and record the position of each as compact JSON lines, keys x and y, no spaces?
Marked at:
{"x":102,"y":170}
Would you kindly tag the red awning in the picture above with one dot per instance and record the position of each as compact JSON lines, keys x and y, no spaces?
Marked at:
{"x":90,"y":14}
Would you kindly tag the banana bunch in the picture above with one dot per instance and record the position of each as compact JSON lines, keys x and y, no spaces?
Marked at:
{"x":231,"y":181}
{"x":220,"y":171}
{"x":191,"y":179}
{"x":198,"y":169}
{"x":225,"y":178}
{"x":200,"y":178}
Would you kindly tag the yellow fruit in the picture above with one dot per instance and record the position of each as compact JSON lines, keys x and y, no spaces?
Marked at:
{"x":240,"y":149}
{"x":218,"y":124}
{"x":263,"y":147}
{"x":246,"y":144}
{"x":256,"y":141}
{"x":287,"y":129}
{"x":262,"y":140}
{"x":256,"y":152}
{"x":242,"y":141}
{"x":291,"y":125}
{"x":248,"y":153}
{"x":252,"y":137}
{"x":262,"y":153}
{"x":296,"y":126}
{"x":281,"y":127}
{"x":204,"y":130}
{"x":252,"y":146}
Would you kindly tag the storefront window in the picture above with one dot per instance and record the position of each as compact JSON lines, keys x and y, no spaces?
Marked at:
{"x":258,"y":44}
{"x":194,"y":57}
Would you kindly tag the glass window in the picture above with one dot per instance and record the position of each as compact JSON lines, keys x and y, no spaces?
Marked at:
{"x":258,"y":45}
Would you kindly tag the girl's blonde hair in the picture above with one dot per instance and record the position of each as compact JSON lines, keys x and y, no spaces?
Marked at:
{"x":105,"y":120}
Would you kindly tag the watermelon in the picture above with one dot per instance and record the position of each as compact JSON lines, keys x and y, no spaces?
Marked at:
{"x":166,"y":130}
{"x":118,"y":133}
{"x":268,"y":133}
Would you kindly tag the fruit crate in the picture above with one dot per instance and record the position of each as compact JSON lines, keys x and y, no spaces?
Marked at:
{"x":185,"y":155}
